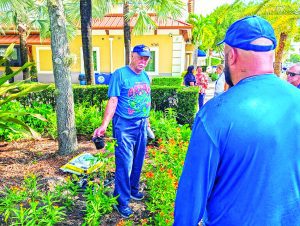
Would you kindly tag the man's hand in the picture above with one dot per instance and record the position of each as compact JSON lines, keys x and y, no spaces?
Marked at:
{"x":99,"y":132}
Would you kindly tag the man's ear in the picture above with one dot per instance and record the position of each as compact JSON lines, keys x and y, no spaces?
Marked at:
{"x":232,"y":56}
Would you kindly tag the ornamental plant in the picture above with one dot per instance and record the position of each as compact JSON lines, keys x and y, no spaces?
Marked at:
{"x":27,"y":204}
{"x":163,"y":167}
{"x":13,"y":91}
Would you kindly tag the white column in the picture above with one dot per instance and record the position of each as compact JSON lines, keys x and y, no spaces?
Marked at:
{"x":178,"y":55}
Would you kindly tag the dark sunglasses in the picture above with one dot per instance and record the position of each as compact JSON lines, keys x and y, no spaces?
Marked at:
{"x":292,"y":73}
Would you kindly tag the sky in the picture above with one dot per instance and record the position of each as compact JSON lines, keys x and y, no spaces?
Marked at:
{"x":205,"y":7}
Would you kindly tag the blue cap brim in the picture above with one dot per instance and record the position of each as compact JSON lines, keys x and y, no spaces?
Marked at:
{"x":146,"y":54}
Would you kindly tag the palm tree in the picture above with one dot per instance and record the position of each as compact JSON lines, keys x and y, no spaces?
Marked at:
{"x":62,"y":60}
{"x":127,"y":32}
{"x":222,"y":17}
{"x":203,"y":33}
{"x":86,"y":35}
{"x":144,"y":22}
{"x":284,"y":16}
{"x":88,"y":9}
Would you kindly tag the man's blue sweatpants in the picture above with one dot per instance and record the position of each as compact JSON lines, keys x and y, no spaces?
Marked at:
{"x":130,"y":151}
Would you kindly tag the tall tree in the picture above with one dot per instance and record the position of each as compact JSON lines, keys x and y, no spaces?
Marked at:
{"x":89,"y":9}
{"x":284,"y":16}
{"x":133,"y":8}
{"x":127,"y":32}
{"x":203,"y":34}
{"x":140,"y":9}
{"x":62,"y":60}
{"x":86,"y":35}
{"x":222,"y":17}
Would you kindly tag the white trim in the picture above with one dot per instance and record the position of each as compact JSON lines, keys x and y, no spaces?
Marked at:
{"x":169,"y":32}
{"x":116,"y":32}
{"x":97,"y":49}
{"x":38,"y":65}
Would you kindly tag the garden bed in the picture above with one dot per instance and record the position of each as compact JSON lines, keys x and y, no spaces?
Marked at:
{"x":38,"y":157}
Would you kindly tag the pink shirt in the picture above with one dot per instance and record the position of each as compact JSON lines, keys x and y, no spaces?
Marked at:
{"x":202,"y":81}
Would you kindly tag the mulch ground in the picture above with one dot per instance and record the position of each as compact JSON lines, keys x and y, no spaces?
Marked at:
{"x":20,"y":158}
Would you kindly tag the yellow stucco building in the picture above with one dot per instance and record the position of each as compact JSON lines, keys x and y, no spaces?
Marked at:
{"x":168,"y":44}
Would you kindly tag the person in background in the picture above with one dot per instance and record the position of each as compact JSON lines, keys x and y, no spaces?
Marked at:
{"x":128,"y":107}
{"x":202,"y":82}
{"x":293,"y":75}
{"x":220,"y":86}
{"x":189,"y":78}
{"x":243,"y":162}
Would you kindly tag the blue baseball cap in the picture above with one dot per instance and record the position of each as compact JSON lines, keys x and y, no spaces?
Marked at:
{"x":142,"y":50}
{"x":242,"y":32}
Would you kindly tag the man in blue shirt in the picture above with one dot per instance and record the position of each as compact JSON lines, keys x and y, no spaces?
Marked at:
{"x":243,"y":162}
{"x":129,"y":107}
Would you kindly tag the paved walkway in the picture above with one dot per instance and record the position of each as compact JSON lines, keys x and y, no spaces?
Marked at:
{"x":210,"y":90}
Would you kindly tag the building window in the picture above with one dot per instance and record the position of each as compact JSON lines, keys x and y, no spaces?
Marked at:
{"x":96,"y":59}
{"x":152,"y":67}
{"x":14,"y":58}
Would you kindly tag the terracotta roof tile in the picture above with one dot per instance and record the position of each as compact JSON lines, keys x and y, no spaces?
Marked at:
{"x":108,"y":22}
{"x":31,"y":40}
{"x":115,"y":21}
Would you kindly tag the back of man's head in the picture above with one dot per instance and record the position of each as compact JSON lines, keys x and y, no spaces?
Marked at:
{"x":249,"y":49}
{"x":243,"y":33}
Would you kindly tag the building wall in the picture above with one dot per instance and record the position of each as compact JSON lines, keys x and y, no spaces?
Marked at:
{"x":169,"y":49}
{"x":110,"y":46}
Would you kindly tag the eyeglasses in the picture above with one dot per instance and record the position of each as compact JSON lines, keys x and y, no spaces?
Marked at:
{"x":292,"y":73}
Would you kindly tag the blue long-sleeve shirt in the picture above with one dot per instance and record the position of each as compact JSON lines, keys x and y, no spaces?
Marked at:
{"x":243,"y":162}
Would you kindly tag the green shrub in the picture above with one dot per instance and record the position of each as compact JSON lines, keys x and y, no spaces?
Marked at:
{"x":215,"y":61}
{"x":162,"y":97}
{"x":182,"y":99}
{"x":214,"y":76}
{"x":94,"y":95}
{"x":294,"y":58}
{"x":187,"y":104}
{"x":167,"y":81}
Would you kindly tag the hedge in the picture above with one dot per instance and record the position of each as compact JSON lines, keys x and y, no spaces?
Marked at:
{"x":182,"y":99}
{"x":167,"y":81}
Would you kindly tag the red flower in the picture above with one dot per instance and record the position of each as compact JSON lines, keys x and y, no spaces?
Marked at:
{"x":149,"y":175}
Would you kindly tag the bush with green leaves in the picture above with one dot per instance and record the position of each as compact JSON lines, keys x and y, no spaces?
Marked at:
{"x":10,"y":92}
{"x":214,"y":76}
{"x":87,"y":118}
{"x":167,"y":81}
{"x":26,"y":114}
{"x":164,"y":166}
{"x":295,"y":58}
{"x":27,"y":204}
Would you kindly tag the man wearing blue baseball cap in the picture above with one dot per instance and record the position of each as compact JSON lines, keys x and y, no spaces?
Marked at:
{"x":128,"y":107}
{"x":243,"y":163}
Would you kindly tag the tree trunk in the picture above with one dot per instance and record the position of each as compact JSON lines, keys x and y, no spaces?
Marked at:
{"x":67,"y":140}
{"x":23,"y":49}
{"x":279,"y":53}
{"x":127,"y":33}
{"x":86,"y":35}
